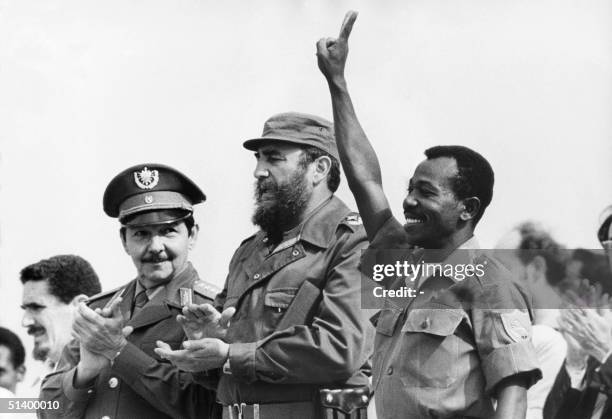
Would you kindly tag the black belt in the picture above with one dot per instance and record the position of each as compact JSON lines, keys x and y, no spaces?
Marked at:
{"x":347,"y":403}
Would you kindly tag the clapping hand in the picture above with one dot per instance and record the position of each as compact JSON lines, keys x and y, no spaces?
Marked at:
{"x":204,"y":321}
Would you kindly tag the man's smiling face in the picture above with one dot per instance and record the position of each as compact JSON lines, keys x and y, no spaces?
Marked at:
{"x":431,"y":209}
{"x":159,"y":252}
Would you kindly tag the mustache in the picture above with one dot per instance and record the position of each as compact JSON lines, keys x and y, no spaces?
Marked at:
{"x":35,"y":329}
{"x":265,"y":185}
{"x":155,"y":259}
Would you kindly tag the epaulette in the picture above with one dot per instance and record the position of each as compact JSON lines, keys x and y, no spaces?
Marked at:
{"x":251,"y":237}
{"x":352,"y":220}
{"x":206,"y":290}
{"x":104,"y":294}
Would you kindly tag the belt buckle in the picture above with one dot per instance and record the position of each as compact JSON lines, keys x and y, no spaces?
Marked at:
{"x":241,"y":409}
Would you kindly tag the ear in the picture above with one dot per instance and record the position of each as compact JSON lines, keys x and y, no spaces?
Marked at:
{"x":193,"y":236}
{"x":471,"y":206}
{"x":322,"y":166}
{"x":77,"y":300}
{"x":21,"y":370}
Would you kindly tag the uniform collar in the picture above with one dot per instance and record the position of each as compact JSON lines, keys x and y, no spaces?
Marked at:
{"x":170,"y":290}
{"x":320,"y":227}
{"x":183,"y":280}
{"x":464,"y":254}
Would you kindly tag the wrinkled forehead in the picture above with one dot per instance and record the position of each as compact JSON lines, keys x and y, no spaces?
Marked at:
{"x":439,"y":171}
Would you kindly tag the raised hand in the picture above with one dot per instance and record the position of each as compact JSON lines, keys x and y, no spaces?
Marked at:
{"x":592,"y":331}
{"x":332,"y":52}
{"x":576,"y":355}
{"x":204,"y":321}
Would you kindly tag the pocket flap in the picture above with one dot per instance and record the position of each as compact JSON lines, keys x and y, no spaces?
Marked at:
{"x":387,"y":320}
{"x":279,"y":298}
{"x":435,"y":321}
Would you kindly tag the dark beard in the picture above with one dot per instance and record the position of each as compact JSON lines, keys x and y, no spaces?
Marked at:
{"x":40,"y":354}
{"x":283,"y":212}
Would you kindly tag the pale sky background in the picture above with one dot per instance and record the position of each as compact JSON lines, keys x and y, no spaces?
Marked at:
{"x":89,"y":88}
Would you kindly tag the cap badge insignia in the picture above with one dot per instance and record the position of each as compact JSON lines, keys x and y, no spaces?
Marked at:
{"x":146,"y":179}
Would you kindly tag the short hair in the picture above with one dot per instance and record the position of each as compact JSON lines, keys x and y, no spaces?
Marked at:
{"x":13,"y":343}
{"x":67,"y":276}
{"x":311,"y":153}
{"x":475,"y":175}
{"x":537,"y":242}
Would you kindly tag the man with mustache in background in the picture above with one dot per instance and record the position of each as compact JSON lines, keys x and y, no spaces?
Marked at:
{"x":439,"y":355}
{"x":294,"y":285}
{"x":110,"y":369}
{"x":52,"y":289}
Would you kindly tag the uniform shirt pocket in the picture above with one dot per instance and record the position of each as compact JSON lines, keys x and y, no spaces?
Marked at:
{"x":387,"y":320}
{"x":430,"y":352}
{"x":276,"y":301}
{"x":279,"y":298}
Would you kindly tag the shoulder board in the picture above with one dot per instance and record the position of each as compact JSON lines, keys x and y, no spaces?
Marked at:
{"x":104,"y":294}
{"x":352,"y":220}
{"x":206,"y":290}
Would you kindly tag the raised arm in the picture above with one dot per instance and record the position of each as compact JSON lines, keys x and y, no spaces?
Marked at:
{"x":357,"y":156}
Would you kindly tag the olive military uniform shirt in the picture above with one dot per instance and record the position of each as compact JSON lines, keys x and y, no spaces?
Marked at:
{"x":271,"y":364}
{"x":138,"y":384}
{"x":436,"y":356}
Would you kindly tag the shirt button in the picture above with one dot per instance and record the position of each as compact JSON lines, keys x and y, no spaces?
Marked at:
{"x":389,"y":370}
{"x":425,"y":323}
{"x":295,"y":252}
{"x":105,"y":417}
{"x":256,"y":276}
{"x":113,"y":382}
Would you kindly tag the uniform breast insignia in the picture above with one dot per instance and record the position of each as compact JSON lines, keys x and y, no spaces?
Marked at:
{"x":146,"y":179}
{"x":516,"y":324}
{"x":186,"y":296}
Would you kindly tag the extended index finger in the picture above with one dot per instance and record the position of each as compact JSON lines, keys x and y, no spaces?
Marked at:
{"x":347,"y":24}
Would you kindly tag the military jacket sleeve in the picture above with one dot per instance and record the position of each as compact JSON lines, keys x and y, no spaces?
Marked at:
{"x":330,"y":348}
{"x":501,"y":323}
